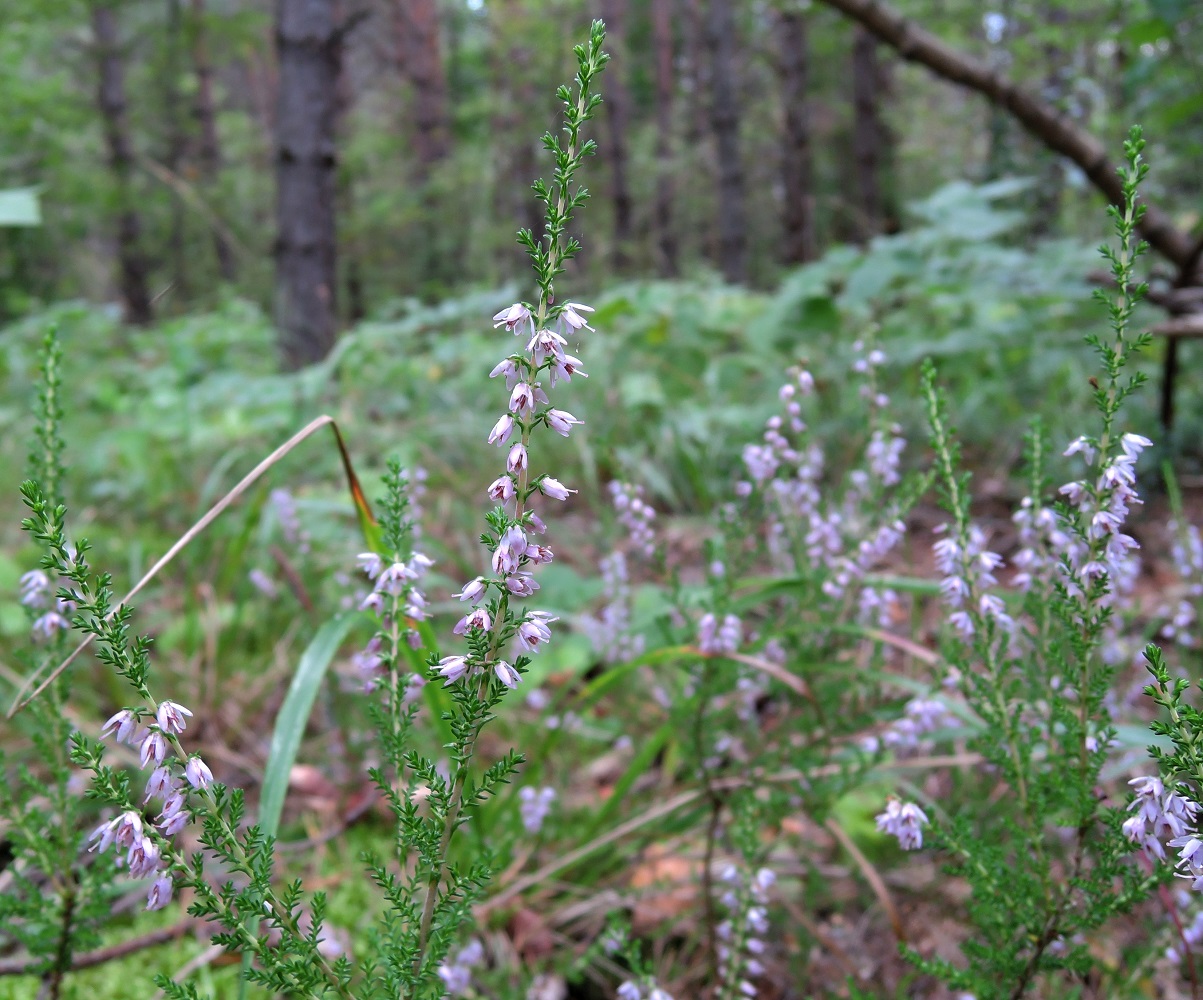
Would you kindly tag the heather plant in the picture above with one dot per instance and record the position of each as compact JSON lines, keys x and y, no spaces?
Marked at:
{"x":426,"y":885}
{"x":1036,"y":662}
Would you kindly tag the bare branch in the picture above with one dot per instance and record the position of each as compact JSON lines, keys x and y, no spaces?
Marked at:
{"x":1040,"y":119}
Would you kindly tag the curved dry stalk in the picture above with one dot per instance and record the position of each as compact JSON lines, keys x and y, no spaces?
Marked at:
{"x":363,"y":510}
{"x":685,"y":798}
{"x":872,"y":876}
{"x":794,"y":683}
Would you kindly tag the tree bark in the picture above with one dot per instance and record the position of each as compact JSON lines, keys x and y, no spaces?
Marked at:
{"x":420,"y":57}
{"x":871,"y":140}
{"x":667,"y":263}
{"x":724,"y":122}
{"x":797,"y":161}
{"x":308,"y":47}
{"x":110,"y":99}
{"x":617,"y":107}
{"x":209,"y":147}
{"x":1040,"y":119}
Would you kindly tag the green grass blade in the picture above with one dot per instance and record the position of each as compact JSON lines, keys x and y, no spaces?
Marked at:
{"x":294,"y":716}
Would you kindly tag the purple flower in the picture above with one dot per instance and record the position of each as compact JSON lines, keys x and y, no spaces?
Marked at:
{"x":561,"y":421}
{"x":48,"y":625}
{"x":472,"y":591}
{"x":123,"y":724}
{"x":904,"y":820}
{"x":554,"y":488}
{"x":522,"y":399}
{"x":572,"y":318}
{"x":197,"y":772}
{"x":34,"y":588}
{"x":564,"y":367}
{"x":478,"y":619}
{"x":154,"y":747}
{"x":143,"y":858}
{"x":395,"y":579}
{"x":512,"y":318}
{"x":516,"y":460}
{"x":534,"y":631}
{"x":534,"y":805}
{"x":521,"y":584}
{"x":509,"y":370}
{"x":452,"y":668}
{"x":506,"y":674}
{"x":160,"y":892}
{"x":160,"y":784}
{"x":171,"y":717}
{"x":502,"y":430}
{"x":370,"y":563}
{"x":502,"y":489}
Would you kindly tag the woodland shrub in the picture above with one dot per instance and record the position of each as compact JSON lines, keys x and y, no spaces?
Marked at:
{"x":787,"y":680}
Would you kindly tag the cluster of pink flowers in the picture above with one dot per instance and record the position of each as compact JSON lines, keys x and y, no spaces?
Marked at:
{"x":717,"y":638}
{"x":903,"y":820}
{"x":1104,"y":506}
{"x":636,"y":515}
{"x":534,"y":804}
{"x":742,"y":935}
{"x":847,"y":537}
{"x":921,"y":716}
{"x":1187,"y":551}
{"x":157,"y":743}
{"x":37,"y":593}
{"x":968,"y":570}
{"x":396,"y":597}
{"x":610,"y":632}
{"x":1159,"y":816}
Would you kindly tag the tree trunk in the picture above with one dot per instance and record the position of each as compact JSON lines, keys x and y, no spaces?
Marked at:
{"x":209,"y":148}
{"x":111,"y":101}
{"x":662,"y":44}
{"x":872,"y":144}
{"x":797,"y":163}
{"x":617,"y":107}
{"x":420,"y":57}
{"x":308,"y":47}
{"x":724,"y":122}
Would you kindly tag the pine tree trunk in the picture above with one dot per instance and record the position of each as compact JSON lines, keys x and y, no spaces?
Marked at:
{"x":662,"y":44}
{"x":872,"y":143}
{"x":110,"y":95}
{"x":209,"y":147}
{"x":420,"y":57}
{"x":797,"y":164}
{"x":724,"y":122}
{"x":177,"y":142}
{"x":308,"y":47}
{"x":617,"y":107}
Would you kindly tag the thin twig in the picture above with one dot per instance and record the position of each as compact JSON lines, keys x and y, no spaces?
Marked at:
{"x":99,"y":956}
